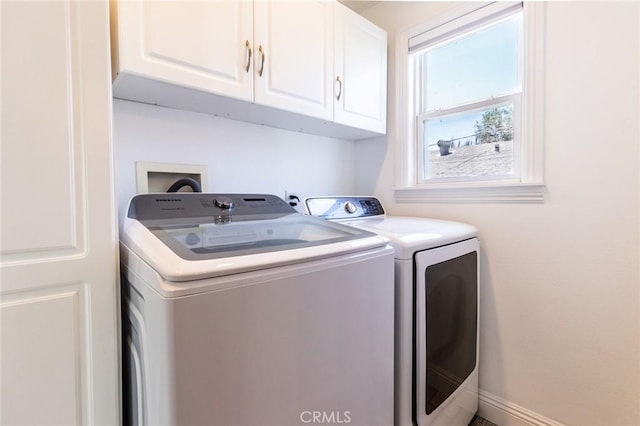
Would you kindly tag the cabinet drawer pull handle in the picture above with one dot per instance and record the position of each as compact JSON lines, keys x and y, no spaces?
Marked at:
{"x":340,"y":88}
{"x":263,"y":57}
{"x":249,"y":55}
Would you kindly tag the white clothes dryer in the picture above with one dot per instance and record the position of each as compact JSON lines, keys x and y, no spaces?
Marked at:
{"x":436,"y":309}
{"x":239,"y":311}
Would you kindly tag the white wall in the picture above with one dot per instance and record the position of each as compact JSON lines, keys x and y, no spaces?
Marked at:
{"x":560,"y":298}
{"x":241,"y":157}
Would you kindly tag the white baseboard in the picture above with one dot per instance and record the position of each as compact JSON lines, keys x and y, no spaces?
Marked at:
{"x":505,"y":413}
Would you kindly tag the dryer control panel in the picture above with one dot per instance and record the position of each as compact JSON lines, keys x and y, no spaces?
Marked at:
{"x":343,"y":207}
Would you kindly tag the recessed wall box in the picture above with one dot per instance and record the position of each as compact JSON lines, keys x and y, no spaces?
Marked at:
{"x":158,"y":177}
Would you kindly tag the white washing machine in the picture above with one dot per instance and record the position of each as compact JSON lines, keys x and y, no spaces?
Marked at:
{"x":239,"y":311}
{"x":436,"y":311}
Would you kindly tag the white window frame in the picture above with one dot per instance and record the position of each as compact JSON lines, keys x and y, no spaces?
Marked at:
{"x":529,"y":187}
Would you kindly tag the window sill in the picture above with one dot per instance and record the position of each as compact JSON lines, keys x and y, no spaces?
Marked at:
{"x":513,"y":193}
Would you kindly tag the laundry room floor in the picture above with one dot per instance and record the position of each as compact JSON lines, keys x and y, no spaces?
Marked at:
{"x":479,"y":421}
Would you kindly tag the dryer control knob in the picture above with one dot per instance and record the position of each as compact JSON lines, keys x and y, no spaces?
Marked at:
{"x":350,"y":208}
{"x":224,"y":203}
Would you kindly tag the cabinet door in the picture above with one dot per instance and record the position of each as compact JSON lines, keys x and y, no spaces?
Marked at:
{"x":361,"y":72}
{"x":204,"y":45}
{"x":294,"y":71}
{"x":59,"y":356}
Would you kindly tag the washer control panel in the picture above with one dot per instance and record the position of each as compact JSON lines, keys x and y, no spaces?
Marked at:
{"x":220,"y":207}
{"x":343,"y":207}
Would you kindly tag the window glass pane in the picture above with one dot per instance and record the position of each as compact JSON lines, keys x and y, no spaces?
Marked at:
{"x":469,"y":144}
{"x":205,"y":238}
{"x":477,"y":66}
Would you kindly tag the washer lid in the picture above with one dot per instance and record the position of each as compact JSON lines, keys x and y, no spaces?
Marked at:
{"x":192,"y":236}
{"x":410,"y":234}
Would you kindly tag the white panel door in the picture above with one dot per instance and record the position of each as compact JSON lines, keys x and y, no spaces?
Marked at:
{"x":59,"y":322}
{"x":361,"y":72}
{"x":294,"y":56}
{"x":205,"y":45}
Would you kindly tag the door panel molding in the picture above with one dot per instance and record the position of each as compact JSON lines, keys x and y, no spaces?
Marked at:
{"x":44,"y":179}
{"x":45,"y":335}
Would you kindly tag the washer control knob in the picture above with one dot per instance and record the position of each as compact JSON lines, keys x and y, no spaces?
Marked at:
{"x":350,"y":208}
{"x":225,"y":203}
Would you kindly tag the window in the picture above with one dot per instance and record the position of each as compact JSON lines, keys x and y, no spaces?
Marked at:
{"x":470,"y":90}
{"x":473,"y":117}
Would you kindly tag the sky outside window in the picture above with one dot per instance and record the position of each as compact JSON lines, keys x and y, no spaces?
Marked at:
{"x":474,"y":67}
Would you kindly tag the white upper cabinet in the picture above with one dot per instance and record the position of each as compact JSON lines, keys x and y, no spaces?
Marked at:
{"x":202,"y":45}
{"x":361,"y":71}
{"x":268,"y":62}
{"x":294,"y":58}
